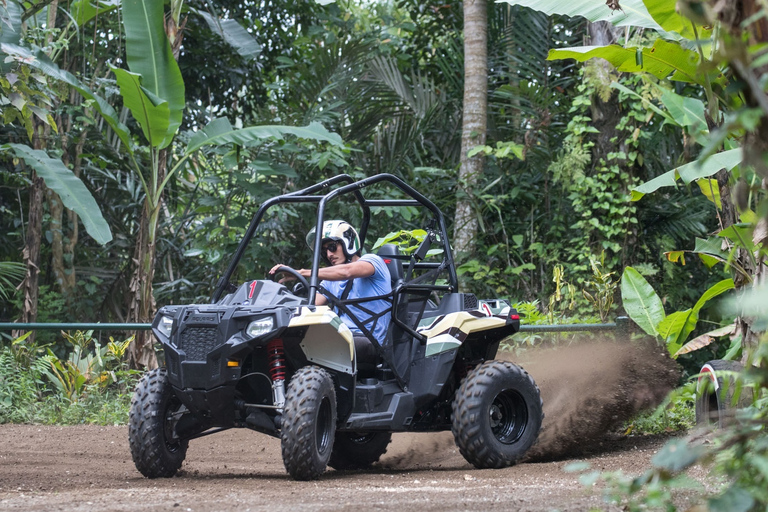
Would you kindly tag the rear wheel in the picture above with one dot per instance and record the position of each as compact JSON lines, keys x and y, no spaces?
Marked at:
{"x":309,"y":423}
{"x":156,"y":449}
{"x":497,"y":415}
{"x":717,"y":393}
{"x":355,"y":450}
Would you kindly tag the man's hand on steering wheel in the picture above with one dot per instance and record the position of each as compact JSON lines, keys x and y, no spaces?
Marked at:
{"x":293,"y":274}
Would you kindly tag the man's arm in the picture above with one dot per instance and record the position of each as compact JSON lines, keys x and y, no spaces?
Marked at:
{"x":343,"y":272}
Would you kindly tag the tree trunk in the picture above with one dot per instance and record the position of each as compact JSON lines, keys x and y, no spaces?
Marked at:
{"x":141,"y":307}
{"x":30,"y":285}
{"x":605,"y":114}
{"x":474,"y":123}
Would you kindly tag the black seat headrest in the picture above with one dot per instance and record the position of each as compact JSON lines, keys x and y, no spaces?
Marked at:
{"x":387,"y":252}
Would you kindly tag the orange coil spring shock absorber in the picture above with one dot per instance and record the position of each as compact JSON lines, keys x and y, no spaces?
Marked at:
{"x":276,"y":357}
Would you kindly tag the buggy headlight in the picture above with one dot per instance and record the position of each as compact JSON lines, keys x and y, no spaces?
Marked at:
{"x":165,"y":325}
{"x":260,"y":327}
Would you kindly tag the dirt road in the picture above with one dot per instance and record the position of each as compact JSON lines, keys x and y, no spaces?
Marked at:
{"x":586,"y":389}
{"x":89,"y":468}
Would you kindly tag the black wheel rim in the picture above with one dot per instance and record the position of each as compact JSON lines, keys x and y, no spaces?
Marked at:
{"x":508,"y":416}
{"x":324,"y":426}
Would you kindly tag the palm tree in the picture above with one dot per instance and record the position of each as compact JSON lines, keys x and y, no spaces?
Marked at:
{"x":474,"y":122}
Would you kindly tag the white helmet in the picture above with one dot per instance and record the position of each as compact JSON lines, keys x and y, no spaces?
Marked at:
{"x":339,"y":231}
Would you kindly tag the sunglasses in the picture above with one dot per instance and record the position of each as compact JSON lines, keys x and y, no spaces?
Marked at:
{"x":330,"y":247}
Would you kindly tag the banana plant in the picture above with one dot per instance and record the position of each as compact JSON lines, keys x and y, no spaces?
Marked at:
{"x":645,"y":308}
{"x":152,"y":89}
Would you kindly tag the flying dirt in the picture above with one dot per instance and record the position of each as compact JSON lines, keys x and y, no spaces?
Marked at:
{"x":592,"y":387}
{"x":589,"y":388}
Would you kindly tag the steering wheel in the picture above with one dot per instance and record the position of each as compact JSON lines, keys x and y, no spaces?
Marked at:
{"x":288,"y":270}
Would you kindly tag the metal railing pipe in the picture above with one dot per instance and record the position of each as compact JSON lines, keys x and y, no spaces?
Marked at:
{"x":53,"y":326}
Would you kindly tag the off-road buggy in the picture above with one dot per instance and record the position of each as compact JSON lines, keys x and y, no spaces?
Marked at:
{"x":263,"y":357}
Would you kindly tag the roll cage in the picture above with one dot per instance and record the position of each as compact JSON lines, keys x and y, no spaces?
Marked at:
{"x":342,"y":185}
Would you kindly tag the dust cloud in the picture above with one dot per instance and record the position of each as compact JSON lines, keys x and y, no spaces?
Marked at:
{"x":589,"y":388}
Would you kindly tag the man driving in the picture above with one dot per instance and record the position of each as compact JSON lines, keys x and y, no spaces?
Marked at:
{"x":366,"y":275}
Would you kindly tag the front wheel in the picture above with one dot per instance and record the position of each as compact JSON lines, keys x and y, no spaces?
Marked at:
{"x":156,"y":449}
{"x":309,"y":423}
{"x":497,"y":415}
{"x":358,"y":450}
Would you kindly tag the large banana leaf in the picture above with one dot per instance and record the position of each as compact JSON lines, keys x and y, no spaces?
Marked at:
{"x":677,"y":326}
{"x":220,"y":131}
{"x":234,"y":34}
{"x":42,"y":63}
{"x":149,"y":54}
{"x":10,"y":28}
{"x":662,"y":60}
{"x":83,"y":11}
{"x":641,"y":303}
{"x":664,"y":12}
{"x":73,"y":193}
{"x":152,"y":113}
{"x":633,"y":12}
{"x":690,"y":172}
{"x":688,"y":112}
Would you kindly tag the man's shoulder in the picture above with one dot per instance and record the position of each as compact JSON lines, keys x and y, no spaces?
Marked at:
{"x":377,"y":262}
{"x":371,"y":257}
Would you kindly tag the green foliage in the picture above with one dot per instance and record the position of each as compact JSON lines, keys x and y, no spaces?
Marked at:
{"x":91,"y":385}
{"x":11,"y":272}
{"x":677,"y":413}
{"x":69,"y":187}
{"x":645,"y":308}
{"x":601,"y":289}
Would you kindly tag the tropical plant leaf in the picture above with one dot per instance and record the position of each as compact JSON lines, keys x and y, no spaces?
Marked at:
{"x":10,"y":28}
{"x":677,"y":455}
{"x":73,"y":193}
{"x":220,"y":131}
{"x":11,"y":273}
{"x":740,"y":234}
{"x":711,"y":246}
{"x":676,"y":327}
{"x":83,"y":11}
{"x":152,"y":113}
{"x":665,"y":14}
{"x":687,"y":111}
{"x":234,"y":34}
{"x":705,"y":339}
{"x":149,"y":54}
{"x":633,"y":12}
{"x":663,"y":60}
{"x":640,"y":301}
{"x":667,"y":116}
{"x":690,"y":172}
{"x":751,"y":302}
{"x":713,"y":291}
{"x":675,"y":256}
{"x":711,"y":191}
{"x":41,"y":62}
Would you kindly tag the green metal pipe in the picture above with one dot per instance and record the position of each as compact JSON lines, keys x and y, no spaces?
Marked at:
{"x":569,"y":327}
{"x":621,"y":324}
{"x":66,"y":327}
